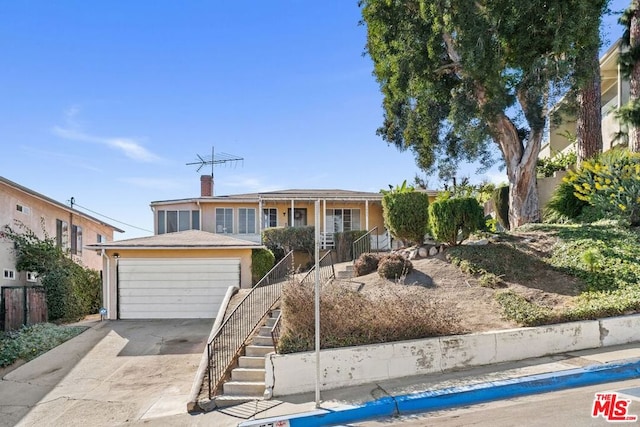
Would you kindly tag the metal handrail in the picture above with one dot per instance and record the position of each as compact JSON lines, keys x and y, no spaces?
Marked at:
{"x":363,"y":244}
{"x":229,"y":341}
{"x":275,"y":332}
{"x":326,"y":270}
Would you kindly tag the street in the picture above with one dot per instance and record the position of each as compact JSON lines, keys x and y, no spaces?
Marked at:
{"x":567,"y":408}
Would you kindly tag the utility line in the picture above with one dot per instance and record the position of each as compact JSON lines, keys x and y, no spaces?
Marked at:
{"x":73,"y":203}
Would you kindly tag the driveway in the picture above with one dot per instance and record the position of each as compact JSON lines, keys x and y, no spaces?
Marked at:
{"x":116,"y":372}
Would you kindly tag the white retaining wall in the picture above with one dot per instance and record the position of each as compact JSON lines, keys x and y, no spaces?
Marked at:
{"x":295,"y":373}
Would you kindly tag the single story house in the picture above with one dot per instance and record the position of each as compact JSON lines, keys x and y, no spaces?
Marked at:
{"x":178,"y":275}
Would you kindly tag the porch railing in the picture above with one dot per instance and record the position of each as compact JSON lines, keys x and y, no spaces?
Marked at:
{"x":228,"y":343}
{"x":363,"y":244}
{"x":326,"y":271}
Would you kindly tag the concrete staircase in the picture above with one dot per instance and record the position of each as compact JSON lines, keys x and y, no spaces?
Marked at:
{"x":345,"y":271}
{"x":247,"y":379}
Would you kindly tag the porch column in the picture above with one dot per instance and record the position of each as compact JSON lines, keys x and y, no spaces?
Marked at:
{"x":293,"y":214}
{"x":260,"y":219}
{"x":366,"y":215}
{"x":324,"y":223}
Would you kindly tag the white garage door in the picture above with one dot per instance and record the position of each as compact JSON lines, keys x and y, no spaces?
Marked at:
{"x":174,"y":288}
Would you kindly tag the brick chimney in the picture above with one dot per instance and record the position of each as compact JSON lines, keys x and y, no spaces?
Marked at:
{"x":206,"y":186}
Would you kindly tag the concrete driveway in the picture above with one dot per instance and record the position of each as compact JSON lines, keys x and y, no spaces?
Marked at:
{"x":114,"y":373}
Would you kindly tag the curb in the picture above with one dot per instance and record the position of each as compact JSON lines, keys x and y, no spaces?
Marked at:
{"x":458,"y":396}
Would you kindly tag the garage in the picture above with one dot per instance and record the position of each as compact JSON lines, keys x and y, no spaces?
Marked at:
{"x":174,"y":288}
{"x":182,"y":275}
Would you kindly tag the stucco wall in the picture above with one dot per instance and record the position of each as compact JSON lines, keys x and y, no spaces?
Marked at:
{"x":42,"y":212}
{"x":546,"y":187}
{"x":295,"y":373}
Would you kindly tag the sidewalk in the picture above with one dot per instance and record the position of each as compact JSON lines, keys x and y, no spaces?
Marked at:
{"x":434,"y":392}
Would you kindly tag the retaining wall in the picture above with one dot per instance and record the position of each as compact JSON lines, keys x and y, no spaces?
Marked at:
{"x":295,"y":373}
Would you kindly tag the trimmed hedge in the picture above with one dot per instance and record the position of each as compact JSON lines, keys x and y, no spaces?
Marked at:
{"x":501,"y":205}
{"x":453,"y":220}
{"x":406,"y":215}
{"x":262,"y":261}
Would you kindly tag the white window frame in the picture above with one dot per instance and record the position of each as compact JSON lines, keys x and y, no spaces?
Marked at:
{"x":32,"y":276}
{"x":331,"y":218}
{"x":162,"y":217}
{"x":266,"y":217}
{"x":227,"y":214}
{"x":26,"y":210}
{"x":246,"y":225}
{"x":9,"y":274}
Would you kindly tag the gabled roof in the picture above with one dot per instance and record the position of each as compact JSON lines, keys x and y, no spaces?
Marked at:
{"x":55,"y":202}
{"x":182,"y":239}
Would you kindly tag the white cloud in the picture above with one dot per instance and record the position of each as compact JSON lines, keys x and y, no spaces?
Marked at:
{"x":130,"y":147}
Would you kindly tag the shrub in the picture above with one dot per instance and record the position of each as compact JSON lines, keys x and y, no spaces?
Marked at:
{"x":344,"y":244}
{"x":366,"y":263}
{"x":611,"y":184}
{"x":282,"y":240}
{"x":262,"y":260}
{"x":406,"y":214}
{"x":518,"y":308}
{"x":453,"y":220}
{"x":563,"y":204}
{"x":501,"y":205}
{"x":352,"y":318}
{"x":394,"y":266}
{"x":559,"y":162}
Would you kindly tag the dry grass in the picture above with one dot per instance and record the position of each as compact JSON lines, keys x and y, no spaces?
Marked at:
{"x":349,"y":317}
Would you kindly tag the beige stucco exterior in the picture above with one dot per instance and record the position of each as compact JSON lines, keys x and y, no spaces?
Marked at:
{"x":20,"y":205}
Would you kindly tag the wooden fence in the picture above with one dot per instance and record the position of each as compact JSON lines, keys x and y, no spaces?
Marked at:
{"x":22,"y":305}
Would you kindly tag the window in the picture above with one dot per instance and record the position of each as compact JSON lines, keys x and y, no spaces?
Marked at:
{"x":62,"y":234}
{"x":224,"y":220}
{"x":299,"y":217}
{"x":76,"y":240}
{"x":269,"y":217}
{"x":172,"y":221}
{"x":247,"y":221}
{"x":32,"y":276}
{"x":101,"y":238}
{"x":339,"y":220}
{"x":9,"y":274}
{"x":24,"y":209}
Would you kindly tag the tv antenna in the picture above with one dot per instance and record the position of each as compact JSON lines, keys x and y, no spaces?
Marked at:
{"x":216,"y":159}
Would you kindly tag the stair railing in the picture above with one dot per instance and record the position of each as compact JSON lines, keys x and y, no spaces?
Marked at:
{"x":326,"y":271}
{"x":363,"y":244}
{"x":228,"y":343}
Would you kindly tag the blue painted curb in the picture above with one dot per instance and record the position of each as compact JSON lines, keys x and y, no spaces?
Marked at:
{"x":461,"y":396}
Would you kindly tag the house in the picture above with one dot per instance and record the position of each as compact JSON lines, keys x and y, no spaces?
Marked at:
{"x":172,"y":275}
{"x":71,"y":228}
{"x":615,"y":93}
{"x":245,"y":216}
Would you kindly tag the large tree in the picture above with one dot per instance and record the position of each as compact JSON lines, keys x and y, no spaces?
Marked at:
{"x":457,"y":75}
{"x":630,"y":65}
{"x":589,"y":94}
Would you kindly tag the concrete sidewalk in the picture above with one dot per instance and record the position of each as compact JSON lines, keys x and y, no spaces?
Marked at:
{"x":433,"y":392}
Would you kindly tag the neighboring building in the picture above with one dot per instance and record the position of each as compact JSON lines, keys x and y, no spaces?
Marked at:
{"x":245,"y":216}
{"x":615,"y":93}
{"x":71,"y":229}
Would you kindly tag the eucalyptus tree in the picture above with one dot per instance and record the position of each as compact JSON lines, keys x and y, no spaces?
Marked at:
{"x":459,"y":75}
{"x":630,"y":66}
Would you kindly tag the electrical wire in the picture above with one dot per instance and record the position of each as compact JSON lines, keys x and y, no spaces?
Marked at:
{"x":73,"y":203}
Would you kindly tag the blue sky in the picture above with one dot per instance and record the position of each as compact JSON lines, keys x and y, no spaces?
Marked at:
{"x":106,"y":101}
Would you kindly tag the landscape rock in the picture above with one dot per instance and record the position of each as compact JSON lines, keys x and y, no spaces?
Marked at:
{"x":423,"y":252}
{"x":433,"y":251}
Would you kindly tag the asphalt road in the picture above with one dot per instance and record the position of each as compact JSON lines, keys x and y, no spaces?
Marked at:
{"x":567,"y":408}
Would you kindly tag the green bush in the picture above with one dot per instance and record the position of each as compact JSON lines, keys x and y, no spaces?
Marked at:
{"x":344,"y":244}
{"x":611,"y":184}
{"x":563,"y":205}
{"x":394,"y":266}
{"x":262,"y":261}
{"x":406,"y":214}
{"x":516,"y":307}
{"x":366,"y":263}
{"x":283,"y":240}
{"x":559,"y":162}
{"x":453,"y":220}
{"x":501,"y":205}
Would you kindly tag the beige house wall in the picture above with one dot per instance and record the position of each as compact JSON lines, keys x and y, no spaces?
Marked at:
{"x":38,"y":213}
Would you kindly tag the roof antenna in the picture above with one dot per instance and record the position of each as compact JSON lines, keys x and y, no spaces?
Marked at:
{"x":216,"y":159}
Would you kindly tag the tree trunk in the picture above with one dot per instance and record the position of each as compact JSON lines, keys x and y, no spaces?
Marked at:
{"x":634,"y":81}
{"x":589,"y":122}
